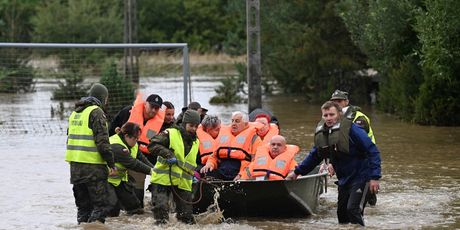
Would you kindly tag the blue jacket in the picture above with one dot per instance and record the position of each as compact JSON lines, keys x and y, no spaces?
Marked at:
{"x":353,"y":167}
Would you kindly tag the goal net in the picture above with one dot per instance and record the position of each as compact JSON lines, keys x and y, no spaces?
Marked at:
{"x":40,"y":83}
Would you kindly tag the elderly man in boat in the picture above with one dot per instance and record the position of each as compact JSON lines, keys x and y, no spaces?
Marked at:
{"x":273,"y":161}
{"x":237,"y":144}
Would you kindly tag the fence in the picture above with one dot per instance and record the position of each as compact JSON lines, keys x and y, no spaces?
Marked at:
{"x":39,"y":83}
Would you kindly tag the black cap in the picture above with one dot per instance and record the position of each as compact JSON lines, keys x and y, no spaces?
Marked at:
{"x":194,"y":105}
{"x":155,"y":100}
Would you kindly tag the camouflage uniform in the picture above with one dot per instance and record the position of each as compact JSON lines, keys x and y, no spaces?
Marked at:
{"x":361,"y":121}
{"x":160,"y":193}
{"x":124,"y":195}
{"x":90,"y":180}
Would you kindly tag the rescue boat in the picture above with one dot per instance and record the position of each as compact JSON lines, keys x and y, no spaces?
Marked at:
{"x":267,"y":198}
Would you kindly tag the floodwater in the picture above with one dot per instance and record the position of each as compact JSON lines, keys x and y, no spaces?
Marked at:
{"x":420,"y":165}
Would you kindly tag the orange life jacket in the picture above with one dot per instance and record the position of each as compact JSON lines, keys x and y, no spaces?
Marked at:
{"x":235,"y":147}
{"x":274,"y":130}
{"x":207,"y":144}
{"x":151,"y":128}
{"x":265,"y":167}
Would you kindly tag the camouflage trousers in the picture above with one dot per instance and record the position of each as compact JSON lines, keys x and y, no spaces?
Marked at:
{"x":123,"y":197}
{"x":160,"y":203}
{"x":90,"y":198}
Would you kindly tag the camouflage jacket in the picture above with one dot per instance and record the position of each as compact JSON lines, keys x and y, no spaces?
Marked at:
{"x":159,"y":144}
{"x":80,"y":172}
{"x":139,"y":164}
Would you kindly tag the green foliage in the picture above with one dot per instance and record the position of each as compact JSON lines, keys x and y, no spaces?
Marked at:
{"x":401,"y":88}
{"x":121,"y":90}
{"x":15,"y":75}
{"x":15,"y":25}
{"x":231,"y":88}
{"x":78,"y":21}
{"x":383,"y":30}
{"x":202,"y":24}
{"x":415,"y":47}
{"x":71,"y":88}
{"x":227,"y":92}
{"x":235,"y":39}
{"x":439,"y":99}
{"x":16,"y":80}
{"x":306,"y":47}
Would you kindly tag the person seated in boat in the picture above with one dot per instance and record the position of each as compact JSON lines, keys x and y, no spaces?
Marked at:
{"x":126,"y":155}
{"x":255,"y":112}
{"x":207,"y":133}
{"x":273,"y":161}
{"x":354,"y":156}
{"x":237,"y":144}
{"x":268,"y":130}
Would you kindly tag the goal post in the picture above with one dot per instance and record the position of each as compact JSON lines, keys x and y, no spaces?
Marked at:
{"x":152,"y":46}
{"x":40,"y":82}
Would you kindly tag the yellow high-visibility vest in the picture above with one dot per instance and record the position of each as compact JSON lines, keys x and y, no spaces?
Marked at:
{"x":180,"y":174}
{"x":81,"y":146}
{"x":122,"y":174}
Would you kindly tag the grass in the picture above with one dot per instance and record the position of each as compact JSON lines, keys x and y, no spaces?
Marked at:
{"x":150,"y":64}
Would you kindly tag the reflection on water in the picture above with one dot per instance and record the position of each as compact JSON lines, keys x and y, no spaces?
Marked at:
{"x":421,"y":172}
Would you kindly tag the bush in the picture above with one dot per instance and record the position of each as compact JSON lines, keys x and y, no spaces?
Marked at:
{"x":15,"y":75}
{"x":16,"y":80}
{"x":71,"y":88}
{"x":439,"y":99}
{"x":121,"y":90}
{"x":229,"y":91}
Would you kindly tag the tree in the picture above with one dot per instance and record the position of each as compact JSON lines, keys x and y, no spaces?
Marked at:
{"x":384,"y":31}
{"x":15,"y":26}
{"x":78,"y":21}
{"x":203,"y":24}
{"x":307,"y":48}
{"x":121,"y":90}
{"x":438,"y":31}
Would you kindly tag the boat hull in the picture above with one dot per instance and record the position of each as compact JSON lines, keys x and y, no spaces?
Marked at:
{"x":281,"y":198}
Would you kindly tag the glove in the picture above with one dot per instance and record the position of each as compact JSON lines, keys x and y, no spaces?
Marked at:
{"x":171,"y":161}
{"x":195,"y":180}
{"x":196,"y":177}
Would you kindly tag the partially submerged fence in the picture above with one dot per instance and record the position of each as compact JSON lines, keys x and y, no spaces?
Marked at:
{"x":40,"y":82}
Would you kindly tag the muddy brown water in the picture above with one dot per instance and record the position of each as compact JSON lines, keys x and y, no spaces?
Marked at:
{"x":420,"y":165}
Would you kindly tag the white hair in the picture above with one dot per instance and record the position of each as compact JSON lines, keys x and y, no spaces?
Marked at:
{"x":244,"y":116}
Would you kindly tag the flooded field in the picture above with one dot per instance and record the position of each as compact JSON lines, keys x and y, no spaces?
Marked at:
{"x":420,"y":165}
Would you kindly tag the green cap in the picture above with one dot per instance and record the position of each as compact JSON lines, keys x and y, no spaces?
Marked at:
{"x":191,"y":116}
{"x":99,"y":91}
{"x":339,"y":95}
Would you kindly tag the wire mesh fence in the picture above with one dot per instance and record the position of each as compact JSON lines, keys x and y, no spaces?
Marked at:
{"x":40,"y":83}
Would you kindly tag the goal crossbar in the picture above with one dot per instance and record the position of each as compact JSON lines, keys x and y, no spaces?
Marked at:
{"x":183,"y":46}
